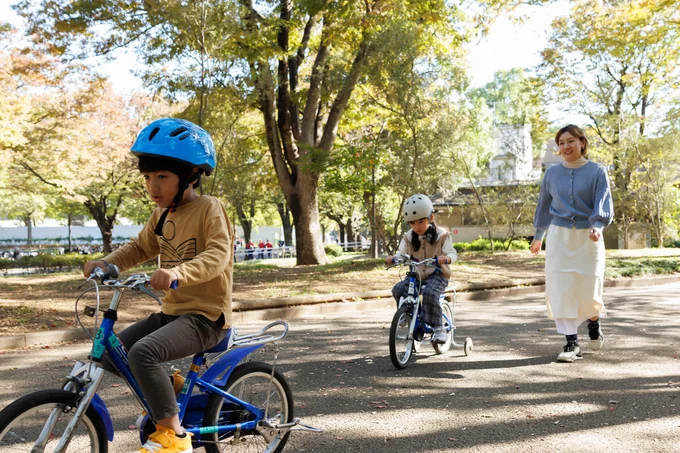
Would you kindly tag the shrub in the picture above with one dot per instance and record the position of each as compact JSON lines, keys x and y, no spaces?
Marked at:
{"x":47,"y":261}
{"x":332,"y":249}
{"x":482,"y":244}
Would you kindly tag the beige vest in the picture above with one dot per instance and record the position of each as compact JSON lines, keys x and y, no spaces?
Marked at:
{"x":428,"y":250}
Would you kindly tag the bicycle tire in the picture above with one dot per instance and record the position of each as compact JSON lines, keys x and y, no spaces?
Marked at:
{"x":444,"y":348}
{"x":13,"y":436}
{"x":218,"y":411}
{"x":400,"y":329}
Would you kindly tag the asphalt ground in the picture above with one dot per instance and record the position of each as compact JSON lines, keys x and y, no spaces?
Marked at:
{"x":509,"y":395}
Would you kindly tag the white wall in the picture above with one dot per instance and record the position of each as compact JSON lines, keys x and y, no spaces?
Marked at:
{"x":9,"y":230}
{"x":41,"y":232}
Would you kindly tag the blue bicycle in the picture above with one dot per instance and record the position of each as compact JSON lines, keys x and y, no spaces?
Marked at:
{"x":234,"y":406}
{"x":408,"y":331}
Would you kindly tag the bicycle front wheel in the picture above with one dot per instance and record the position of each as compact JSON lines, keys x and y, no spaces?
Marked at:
{"x":253,"y":383}
{"x":44,"y":415}
{"x":401,"y":337}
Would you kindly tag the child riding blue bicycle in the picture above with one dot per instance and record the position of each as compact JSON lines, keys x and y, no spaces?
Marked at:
{"x":193,"y":236}
{"x":425,"y":240}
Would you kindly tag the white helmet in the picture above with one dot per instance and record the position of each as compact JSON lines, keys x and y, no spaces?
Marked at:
{"x":417,"y":207}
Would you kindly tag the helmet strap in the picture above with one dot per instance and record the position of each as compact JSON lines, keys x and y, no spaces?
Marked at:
{"x":183,"y":185}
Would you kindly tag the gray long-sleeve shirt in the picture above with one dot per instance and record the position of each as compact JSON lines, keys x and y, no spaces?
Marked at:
{"x":574,"y":197}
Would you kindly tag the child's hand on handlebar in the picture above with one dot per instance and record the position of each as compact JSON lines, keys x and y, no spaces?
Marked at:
{"x":91,"y":265}
{"x":443,"y":259}
{"x":161,"y":279}
{"x":389,"y":260}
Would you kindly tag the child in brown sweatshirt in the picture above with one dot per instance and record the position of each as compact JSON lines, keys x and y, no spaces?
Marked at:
{"x":193,"y":237}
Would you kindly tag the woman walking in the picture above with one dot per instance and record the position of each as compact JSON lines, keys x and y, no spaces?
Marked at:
{"x":574,"y":206}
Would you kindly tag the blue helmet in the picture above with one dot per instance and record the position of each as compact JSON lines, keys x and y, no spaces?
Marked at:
{"x":177,"y":139}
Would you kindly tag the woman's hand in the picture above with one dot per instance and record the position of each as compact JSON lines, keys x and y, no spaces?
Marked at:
{"x":536,"y":246}
{"x":595,"y":234}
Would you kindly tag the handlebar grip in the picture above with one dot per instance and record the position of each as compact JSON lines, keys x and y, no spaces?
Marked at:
{"x":174,"y":284}
{"x":111,"y":271}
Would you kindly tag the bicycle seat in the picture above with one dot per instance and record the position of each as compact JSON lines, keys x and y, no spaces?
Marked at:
{"x":223,"y":345}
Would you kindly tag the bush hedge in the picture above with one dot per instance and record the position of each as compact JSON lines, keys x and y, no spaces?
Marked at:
{"x":332,"y":249}
{"x":47,"y":261}
{"x":482,"y":244}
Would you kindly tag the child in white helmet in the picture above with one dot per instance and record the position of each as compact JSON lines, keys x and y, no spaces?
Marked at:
{"x":426,"y":240}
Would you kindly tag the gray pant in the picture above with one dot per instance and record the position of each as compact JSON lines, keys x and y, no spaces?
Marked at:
{"x":161,"y":338}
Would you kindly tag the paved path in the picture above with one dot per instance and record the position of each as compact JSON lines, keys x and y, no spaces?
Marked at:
{"x":509,"y":396}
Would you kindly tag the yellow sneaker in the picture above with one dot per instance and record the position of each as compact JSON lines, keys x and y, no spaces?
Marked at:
{"x":164,"y":440}
{"x":177,"y":381}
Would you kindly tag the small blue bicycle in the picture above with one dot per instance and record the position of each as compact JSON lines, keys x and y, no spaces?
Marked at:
{"x":234,"y":406}
{"x":408,"y":331}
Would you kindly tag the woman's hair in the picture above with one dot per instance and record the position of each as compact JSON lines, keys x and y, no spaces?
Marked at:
{"x":430,"y":236}
{"x":576,"y":132}
{"x":183,"y":171}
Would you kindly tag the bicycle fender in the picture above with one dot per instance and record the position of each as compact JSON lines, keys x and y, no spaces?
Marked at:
{"x":103,"y":411}
{"x":228,"y":360}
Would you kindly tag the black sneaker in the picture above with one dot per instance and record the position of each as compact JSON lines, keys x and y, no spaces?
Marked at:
{"x":595,"y":335}
{"x":570,"y":353}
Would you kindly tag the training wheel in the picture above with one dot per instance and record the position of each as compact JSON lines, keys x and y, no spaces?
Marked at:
{"x":467,"y":346}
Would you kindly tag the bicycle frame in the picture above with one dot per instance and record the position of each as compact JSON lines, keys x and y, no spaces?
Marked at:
{"x":86,"y":378}
{"x":413,"y":298}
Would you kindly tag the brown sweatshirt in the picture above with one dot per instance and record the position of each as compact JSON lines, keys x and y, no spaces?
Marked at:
{"x":197,"y":244}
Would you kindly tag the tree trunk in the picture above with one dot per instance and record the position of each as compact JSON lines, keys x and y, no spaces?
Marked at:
{"x":246,"y":221}
{"x":308,"y":240}
{"x":350,"y":232}
{"x":98,"y":209}
{"x":29,"y":230}
{"x":70,"y":232}
{"x":292,"y":138}
{"x":341,"y":226}
{"x":369,"y":202}
{"x":284,"y":213}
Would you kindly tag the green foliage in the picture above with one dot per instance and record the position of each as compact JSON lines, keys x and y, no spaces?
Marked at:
{"x":633,"y":268}
{"x":332,"y":250}
{"x":483,"y":244}
{"x":47,"y":261}
{"x":517,"y":100}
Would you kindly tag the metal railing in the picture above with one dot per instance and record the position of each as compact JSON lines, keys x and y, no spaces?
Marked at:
{"x":287,"y":251}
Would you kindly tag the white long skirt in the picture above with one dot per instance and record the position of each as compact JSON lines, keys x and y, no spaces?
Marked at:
{"x":574,"y":276}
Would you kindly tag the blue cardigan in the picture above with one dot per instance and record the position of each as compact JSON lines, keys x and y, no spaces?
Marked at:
{"x":574,"y":198}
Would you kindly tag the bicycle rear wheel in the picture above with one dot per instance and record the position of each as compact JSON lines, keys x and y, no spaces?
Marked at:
{"x":447,"y":312}
{"x":22,"y":422}
{"x":249,"y":382}
{"x":401,"y":338}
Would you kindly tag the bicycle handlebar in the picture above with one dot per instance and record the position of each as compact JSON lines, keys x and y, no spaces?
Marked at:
{"x":406,"y":260}
{"x":138,"y":282}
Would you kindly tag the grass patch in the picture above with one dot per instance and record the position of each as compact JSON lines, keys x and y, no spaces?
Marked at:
{"x":617,"y":268}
